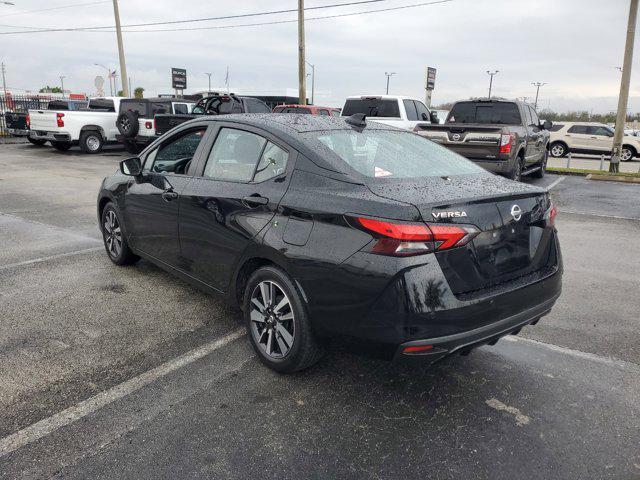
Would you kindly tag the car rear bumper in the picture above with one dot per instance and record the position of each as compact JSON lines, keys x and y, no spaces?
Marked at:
{"x":50,"y":136}
{"x":502,"y":167}
{"x":18,"y":132}
{"x":434,"y":349}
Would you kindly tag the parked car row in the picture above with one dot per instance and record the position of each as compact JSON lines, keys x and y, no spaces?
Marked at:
{"x":590,"y":138}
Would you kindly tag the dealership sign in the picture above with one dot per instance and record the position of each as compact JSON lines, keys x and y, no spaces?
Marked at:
{"x":431,"y":78}
{"x":178,"y":78}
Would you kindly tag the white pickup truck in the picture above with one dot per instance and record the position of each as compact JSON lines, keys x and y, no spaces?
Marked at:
{"x":394,"y":110}
{"x":90,"y":128}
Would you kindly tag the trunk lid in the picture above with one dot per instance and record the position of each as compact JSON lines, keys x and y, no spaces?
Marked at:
{"x":514,"y":240}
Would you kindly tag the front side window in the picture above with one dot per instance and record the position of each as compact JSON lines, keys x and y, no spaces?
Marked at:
{"x":410,"y":108}
{"x":256,"y":106}
{"x":175,"y":156}
{"x":534,"y":116}
{"x":423,"y":111}
{"x":394,"y":154}
{"x":234,"y":155}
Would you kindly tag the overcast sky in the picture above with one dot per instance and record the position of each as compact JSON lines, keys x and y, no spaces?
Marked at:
{"x":573,"y":45}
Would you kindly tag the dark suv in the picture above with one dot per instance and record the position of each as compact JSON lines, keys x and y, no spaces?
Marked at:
{"x":502,"y":136}
{"x":216,"y":104}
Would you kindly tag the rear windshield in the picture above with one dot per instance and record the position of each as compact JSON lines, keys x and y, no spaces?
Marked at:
{"x":500,"y":113}
{"x":394,"y":154}
{"x":371,"y":107}
{"x":101,"y":104}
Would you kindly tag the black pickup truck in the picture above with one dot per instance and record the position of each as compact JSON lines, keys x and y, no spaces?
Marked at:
{"x":503,"y":136}
{"x":216,"y":104}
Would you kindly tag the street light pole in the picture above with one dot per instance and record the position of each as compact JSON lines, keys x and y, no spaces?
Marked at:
{"x":389,"y":75}
{"x":623,"y":98}
{"x":123,"y":67}
{"x":491,"y":74}
{"x":4,"y":81}
{"x":313,"y":82}
{"x":537,"y":85}
{"x":209,"y":75}
{"x":62,"y":84}
{"x":302,"y":77}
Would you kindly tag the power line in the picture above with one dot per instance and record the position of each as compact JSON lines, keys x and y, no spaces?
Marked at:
{"x":60,"y":7}
{"x":205,"y":19}
{"x":277,"y":22}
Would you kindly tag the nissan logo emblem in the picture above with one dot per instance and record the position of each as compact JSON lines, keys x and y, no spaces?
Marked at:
{"x":516,"y":212}
{"x":456,"y":136}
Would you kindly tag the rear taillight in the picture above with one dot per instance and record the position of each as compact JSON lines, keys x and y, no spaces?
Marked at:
{"x":59,"y":119}
{"x":149,"y":125}
{"x":506,"y":142}
{"x":550,"y":215}
{"x":405,"y":239}
{"x":28,"y":121}
{"x":154,"y":123}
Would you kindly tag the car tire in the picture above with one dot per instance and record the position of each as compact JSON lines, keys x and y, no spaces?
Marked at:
{"x":114,"y":240}
{"x":277,"y":322}
{"x":91,"y":141}
{"x":543,"y":166}
{"x":627,"y":153}
{"x":36,"y":142}
{"x":558,"y":149}
{"x":127,"y":123}
{"x":516,"y":173}
{"x":61,"y":146}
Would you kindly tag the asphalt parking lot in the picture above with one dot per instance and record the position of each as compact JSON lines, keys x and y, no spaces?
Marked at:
{"x":109,"y":372}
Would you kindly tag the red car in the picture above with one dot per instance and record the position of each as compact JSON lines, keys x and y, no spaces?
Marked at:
{"x":308,"y":109}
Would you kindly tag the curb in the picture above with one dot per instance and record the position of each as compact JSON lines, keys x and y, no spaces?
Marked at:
{"x":613,"y":178}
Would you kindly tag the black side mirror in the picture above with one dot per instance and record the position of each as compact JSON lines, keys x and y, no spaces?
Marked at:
{"x":131,"y":166}
{"x":547,"y":125}
{"x":433,"y":117}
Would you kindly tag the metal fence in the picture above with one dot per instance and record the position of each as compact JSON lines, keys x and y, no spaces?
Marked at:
{"x":19,"y":104}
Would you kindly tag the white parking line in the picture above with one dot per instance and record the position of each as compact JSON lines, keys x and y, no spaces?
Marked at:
{"x":578,"y":354}
{"x":592,"y":214}
{"x":72,"y":414}
{"x":556,"y":182}
{"x":50,"y":257}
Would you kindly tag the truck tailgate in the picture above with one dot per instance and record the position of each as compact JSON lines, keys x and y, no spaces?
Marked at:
{"x":471,"y":141}
{"x":43,"y":120}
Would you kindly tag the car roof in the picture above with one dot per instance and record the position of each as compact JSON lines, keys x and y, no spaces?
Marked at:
{"x":384,"y":97}
{"x":159,"y":100}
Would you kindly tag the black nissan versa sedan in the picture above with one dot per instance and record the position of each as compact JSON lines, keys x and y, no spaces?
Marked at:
{"x":322,"y":227}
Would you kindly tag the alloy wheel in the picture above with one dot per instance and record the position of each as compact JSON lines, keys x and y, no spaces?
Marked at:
{"x":93,"y":143}
{"x":272,"y":319}
{"x":557,"y":150}
{"x":625,"y":155}
{"x":112,"y":234}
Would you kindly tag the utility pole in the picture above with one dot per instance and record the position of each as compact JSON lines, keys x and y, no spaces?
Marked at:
{"x":62,"y":84}
{"x":302,"y":76}
{"x":123,"y":67}
{"x":389,"y":75}
{"x":623,"y":98}
{"x":313,"y":82}
{"x":4,"y":81}
{"x":209,"y":75}
{"x":537,"y":85}
{"x":491,"y":74}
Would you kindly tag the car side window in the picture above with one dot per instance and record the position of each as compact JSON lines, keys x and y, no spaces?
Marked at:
{"x":180,"y":108}
{"x":273,"y":162}
{"x":322,"y":111}
{"x":410,"y":108}
{"x":527,"y":115}
{"x":175,"y":156}
{"x":578,"y":129}
{"x":602,"y":131}
{"x":234,"y":155}
{"x":422,"y":110}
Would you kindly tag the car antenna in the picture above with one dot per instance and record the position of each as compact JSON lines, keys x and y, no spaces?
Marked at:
{"x":357,"y":120}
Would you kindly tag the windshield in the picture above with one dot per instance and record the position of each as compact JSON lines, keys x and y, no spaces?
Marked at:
{"x":371,"y":107}
{"x":395,"y":154}
{"x":498,"y":113}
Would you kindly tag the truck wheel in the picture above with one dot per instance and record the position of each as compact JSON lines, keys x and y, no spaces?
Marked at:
{"x":558,"y":149}
{"x":516,"y":173}
{"x":61,"y":146}
{"x":91,"y":142}
{"x":36,"y":142}
{"x":277,"y":322}
{"x":543,"y":166}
